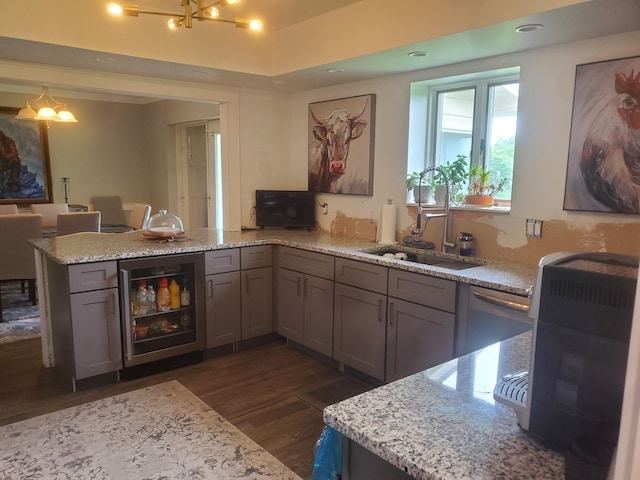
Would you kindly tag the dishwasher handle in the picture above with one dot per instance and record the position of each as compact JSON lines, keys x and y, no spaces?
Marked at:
{"x":521,"y":307}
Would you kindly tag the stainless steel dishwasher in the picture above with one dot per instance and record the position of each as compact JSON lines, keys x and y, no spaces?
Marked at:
{"x":486,"y":316}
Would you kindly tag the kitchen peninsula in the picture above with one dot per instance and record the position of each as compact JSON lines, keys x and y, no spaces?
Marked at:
{"x":61,"y":256}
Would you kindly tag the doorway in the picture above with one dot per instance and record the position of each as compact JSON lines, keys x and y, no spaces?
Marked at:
{"x":199,"y":174}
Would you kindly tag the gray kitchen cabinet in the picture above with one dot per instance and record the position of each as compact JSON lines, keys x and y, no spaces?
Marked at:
{"x":305,"y":298}
{"x":421,"y":323}
{"x":223,"y":302}
{"x":222,"y":296}
{"x":85,"y":318}
{"x":257,"y":302}
{"x":360,"y":312}
{"x":239,"y":291}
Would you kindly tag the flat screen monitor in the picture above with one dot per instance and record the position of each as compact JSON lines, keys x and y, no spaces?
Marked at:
{"x":285,"y":208}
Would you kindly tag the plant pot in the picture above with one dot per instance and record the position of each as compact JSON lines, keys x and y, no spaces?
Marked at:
{"x":482,"y":200}
{"x":424,"y":191}
{"x":440,"y":194}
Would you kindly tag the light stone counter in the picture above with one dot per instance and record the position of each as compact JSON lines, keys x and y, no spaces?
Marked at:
{"x":96,"y":247}
{"x":443,"y":424}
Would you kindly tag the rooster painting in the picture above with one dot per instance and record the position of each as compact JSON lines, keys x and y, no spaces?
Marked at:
{"x":604,"y":155}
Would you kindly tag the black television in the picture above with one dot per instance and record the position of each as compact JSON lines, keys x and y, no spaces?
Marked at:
{"x":285,"y":208}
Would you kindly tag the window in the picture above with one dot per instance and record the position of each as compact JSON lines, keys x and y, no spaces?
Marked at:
{"x":472,"y":116}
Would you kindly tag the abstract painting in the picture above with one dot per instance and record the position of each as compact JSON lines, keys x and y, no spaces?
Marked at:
{"x":603,"y":168}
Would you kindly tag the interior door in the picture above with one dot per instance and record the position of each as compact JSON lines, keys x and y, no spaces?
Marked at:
{"x":199,"y":174}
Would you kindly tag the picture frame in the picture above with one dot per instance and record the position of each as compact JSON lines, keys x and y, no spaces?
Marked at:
{"x":602,"y":166}
{"x":25,"y":169}
{"x":341,"y":145}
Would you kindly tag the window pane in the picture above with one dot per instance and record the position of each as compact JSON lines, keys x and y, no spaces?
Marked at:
{"x":501,"y":126}
{"x":455,"y":124}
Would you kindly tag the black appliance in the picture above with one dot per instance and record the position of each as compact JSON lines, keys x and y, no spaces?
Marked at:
{"x":582,"y":308}
{"x":285,"y":208}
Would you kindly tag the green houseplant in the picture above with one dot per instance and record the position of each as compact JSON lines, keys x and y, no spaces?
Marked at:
{"x":413,"y":180}
{"x":481,"y":189}
{"x":457,"y":173}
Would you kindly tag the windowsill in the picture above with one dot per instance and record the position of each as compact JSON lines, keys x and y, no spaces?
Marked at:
{"x":466,"y":208}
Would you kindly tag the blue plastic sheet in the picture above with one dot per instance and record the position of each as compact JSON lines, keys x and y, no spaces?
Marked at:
{"x":327,"y":463}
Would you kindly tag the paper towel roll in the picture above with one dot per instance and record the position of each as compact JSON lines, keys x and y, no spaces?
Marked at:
{"x":387,"y":225}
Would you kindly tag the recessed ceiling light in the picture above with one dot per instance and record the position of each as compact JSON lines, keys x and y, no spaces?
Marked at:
{"x":530,"y":27}
{"x":104,"y":59}
{"x":418,"y":54}
{"x":335,"y":70}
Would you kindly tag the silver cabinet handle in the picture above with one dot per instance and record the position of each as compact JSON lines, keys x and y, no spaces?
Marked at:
{"x":209,"y":288}
{"x":305,"y":284}
{"x":391,"y":312}
{"x":380,"y":310}
{"x":521,"y":307}
{"x":126,"y":309}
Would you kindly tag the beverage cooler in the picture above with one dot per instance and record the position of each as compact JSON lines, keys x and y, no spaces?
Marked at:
{"x":162,"y":302}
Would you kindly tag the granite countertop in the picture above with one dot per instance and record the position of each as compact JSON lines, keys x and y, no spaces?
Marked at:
{"x":443,"y":424}
{"x":77,"y":248}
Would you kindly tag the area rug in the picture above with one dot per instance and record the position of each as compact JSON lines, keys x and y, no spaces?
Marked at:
{"x":21,"y":320}
{"x":156,"y":433}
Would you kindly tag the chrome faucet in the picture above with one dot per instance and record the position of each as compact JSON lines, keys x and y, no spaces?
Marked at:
{"x":445,"y":228}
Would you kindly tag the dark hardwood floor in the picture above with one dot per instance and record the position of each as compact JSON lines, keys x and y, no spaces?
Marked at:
{"x":266,"y":391}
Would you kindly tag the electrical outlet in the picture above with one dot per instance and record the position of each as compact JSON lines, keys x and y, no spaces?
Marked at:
{"x":533,"y":228}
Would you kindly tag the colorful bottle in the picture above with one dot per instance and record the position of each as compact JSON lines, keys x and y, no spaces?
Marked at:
{"x":174,"y":288}
{"x":163,"y":296}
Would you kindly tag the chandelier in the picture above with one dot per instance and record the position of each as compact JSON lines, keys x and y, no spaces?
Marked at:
{"x":46,"y":108}
{"x":185,"y":19}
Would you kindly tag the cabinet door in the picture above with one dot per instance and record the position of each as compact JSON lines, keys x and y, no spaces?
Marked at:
{"x":223,"y":308}
{"x":290,"y":304}
{"x":95,"y":324}
{"x":360,"y":329}
{"x":257,"y":302}
{"x":418,"y":337}
{"x":318,"y":314}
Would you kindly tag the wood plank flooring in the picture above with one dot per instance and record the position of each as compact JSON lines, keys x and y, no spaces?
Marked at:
{"x":260,"y":390}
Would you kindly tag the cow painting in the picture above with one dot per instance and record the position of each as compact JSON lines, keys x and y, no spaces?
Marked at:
{"x":330,"y":143}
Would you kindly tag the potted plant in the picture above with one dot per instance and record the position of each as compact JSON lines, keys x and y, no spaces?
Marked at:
{"x":481,"y":189}
{"x":421,"y":194}
{"x":457,"y":173}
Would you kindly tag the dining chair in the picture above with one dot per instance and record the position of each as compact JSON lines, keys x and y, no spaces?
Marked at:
{"x":139,"y":217}
{"x":16,"y":254}
{"x":49,"y":212}
{"x":111,"y":209}
{"x":9,"y":209}
{"x":74,"y":222}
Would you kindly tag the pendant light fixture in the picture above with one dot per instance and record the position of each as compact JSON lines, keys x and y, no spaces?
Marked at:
{"x":47,"y":109}
{"x":185,"y":18}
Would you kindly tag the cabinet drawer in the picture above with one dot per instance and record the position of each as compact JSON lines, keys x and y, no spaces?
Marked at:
{"x":255,"y":257}
{"x":423,"y":289}
{"x":317,"y":264}
{"x":361,"y":275}
{"x":86,"y":277}
{"x":221,"y":261}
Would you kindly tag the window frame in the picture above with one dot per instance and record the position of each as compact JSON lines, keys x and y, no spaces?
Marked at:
{"x":424,"y":132}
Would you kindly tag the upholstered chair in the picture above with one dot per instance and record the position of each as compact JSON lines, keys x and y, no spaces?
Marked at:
{"x":110,"y":208}
{"x":139,"y":217}
{"x":16,"y":254}
{"x":74,"y":222}
{"x":49,"y":212}
{"x":9,"y":209}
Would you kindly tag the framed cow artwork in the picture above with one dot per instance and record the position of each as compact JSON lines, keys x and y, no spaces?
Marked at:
{"x":341,"y":134}
{"x":603,"y":169}
{"x":25,"y":171}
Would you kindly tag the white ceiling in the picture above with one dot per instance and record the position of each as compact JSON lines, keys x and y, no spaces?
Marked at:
{"x":587,"y":19}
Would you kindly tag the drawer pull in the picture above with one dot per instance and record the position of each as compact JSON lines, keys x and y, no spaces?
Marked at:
{"x":521,"y":307}
{"x":380,"y":310}
{"x":391,"y":312}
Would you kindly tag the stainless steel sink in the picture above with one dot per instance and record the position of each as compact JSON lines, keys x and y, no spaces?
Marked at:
{"x":418,"y":256}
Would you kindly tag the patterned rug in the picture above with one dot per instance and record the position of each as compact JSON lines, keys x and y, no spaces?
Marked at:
{"x":155,"y":433}
{"x":21,"y":320}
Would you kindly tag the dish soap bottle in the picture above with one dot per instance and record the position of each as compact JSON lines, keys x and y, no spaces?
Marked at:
{"x":174,"y":288}
{"x":163,"y":296}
